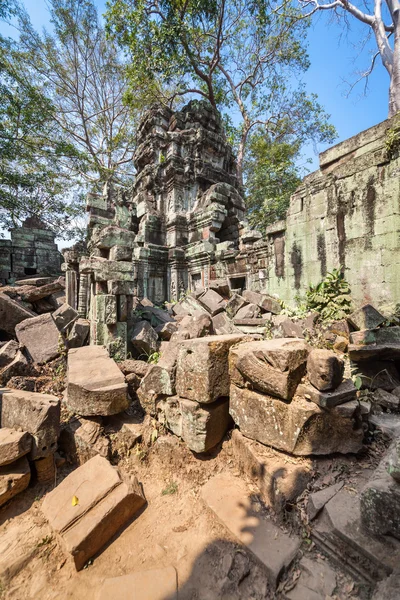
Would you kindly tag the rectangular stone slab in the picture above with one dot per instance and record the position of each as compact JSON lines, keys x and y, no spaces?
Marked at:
{"x":202,"y":371}
{"x":157,"y":584}
{"x":12,"y":313}
{"x":345,"y":392}
{"x":41,"y":338}
{"x":13,"y":445}
{"x":14,"y":478}
{"x":95,"y":384}
{"x":230,"y":500}
{"x":38,"y":414}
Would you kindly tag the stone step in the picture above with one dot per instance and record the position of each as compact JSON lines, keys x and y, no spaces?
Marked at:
{"x":230,"y":500}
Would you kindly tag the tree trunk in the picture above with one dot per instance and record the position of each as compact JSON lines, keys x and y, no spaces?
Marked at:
{"x":240,"y":157}
{"x":394,"y":88}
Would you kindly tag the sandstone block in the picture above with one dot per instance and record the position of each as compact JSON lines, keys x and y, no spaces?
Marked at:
{"x":195,"y":326}
{"x":155,"y":385}
{"x":249,"y":311}
{"x":138,"y":367}
{"x":13,"y":445}
{"x":344,"y":393}
{"x":212,"y":302}
{"x":317,"y":500}
{"x":8,"y":353}
{"x":35,"y":293}
{"x":82,"y":439}
{"x":383,"y":343}
{"x":271,"y":366}
{"x":18,"y":367}
{"x":299,"y":427}
{"x":230,"y":500}
{"x":285,"y":327}
{"x":165,"y":330}
{"x":324,"y":369}
{"x":79,"y":333}
{"x":157,"y":584}
{"x":235,"y":303}
{"x":202,"y":370}
{"x":264,"y":301}
{"x":377,"y":374}
{"x":278,"y":480}
{"x":12,"y":313}
{"x":222,"y":325}
{"x":64,"y":316}
{"x":40,"y":337}
{"x":201,"y":426}
{"x":144,"y":338}
{"x":38,"y":414}
{"x":14,"y":478}
{"x":386,"y":399}
{"x":104,"y":504}
{"x":366,"y":317}
{"x":45,"y":469}
{"x":95,"y":385}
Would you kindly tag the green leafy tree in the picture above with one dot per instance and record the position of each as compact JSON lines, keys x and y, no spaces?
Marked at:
{"x":271,"y":174}
{"x":240,"y":55}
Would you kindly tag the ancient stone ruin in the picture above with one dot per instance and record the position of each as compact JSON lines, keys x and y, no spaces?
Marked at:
{"x":166,"y":402}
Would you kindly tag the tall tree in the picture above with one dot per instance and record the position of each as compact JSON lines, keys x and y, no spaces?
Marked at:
{"x":381,"y":18}
{"x":82,"y":75}
{"x":243,"y":56}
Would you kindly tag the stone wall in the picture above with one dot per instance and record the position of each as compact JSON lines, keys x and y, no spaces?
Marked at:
{"x":30,"y":251}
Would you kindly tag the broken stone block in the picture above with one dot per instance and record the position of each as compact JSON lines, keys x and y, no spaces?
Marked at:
{"x":43,"y":306}
{"x":194,"y":326}
{"x":144,"y":338}
{"x":377,"y":374}
{"x":166,"y":330}
{"x":14,"y":479}
{"x":249,"y":311}
{"x":157,"y":584}
{"x":8,"y":353}
{"x":352,"y":407}
{"x":133,"y":382}
{"x":299,"y":427}
{"x":341,"y":344}
{"x":79,"y":333}
{"x":386,"y":399}
{"x":202,"y":370}
{"x":155,"y":385}
{"x":271,"y":366}
{"x":317,"y":581}
{"x":345,"y":392}
{"x":212,"y":302}
{"x":394,"y":462}
{"x":235,"y":303}
{"x":383,"y":343}
{"x":82,"y":439}
{"x":35,"y":293}
{"x":278,"y":480}
{"x":38,"y":414}
{"x":285,"y":327}
{"x":13,"y":445}
{"x":324,"y":369}
{"x":231,"y":502}
{"x":138,"y":367}
{"x":380,"y":500}
{"x":12,"y":313}
{"x":95,"y":385}
{"x":317,"y":500}
{"x":40,"y":337}
{"x":388,"y":588}
{"x":121,"y":253}
{"x":222,"y":325}
{"x":201,"y":426}
{"x":18,"y":367}
{"x":104,"y":503}
{"x":366,"y":317}
{"x":64,"y":317}
{"x":45,"y":469}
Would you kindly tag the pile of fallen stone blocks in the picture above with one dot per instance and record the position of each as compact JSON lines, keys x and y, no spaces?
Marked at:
{"x":30,"y":425}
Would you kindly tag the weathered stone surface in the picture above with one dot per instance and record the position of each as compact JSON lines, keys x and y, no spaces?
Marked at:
{"x":235,"y":303}
{"x":278,"y":480}
{"x":104,"y":504}
{"x":35,"y":293}
{"x":212,"y":302}
{"x":249,"y":311}
{"x":157,"y":584}
{"x":353,"y":408}
{"x":18,"y":367}
{"x":264,"y":301}
{"x":144,"y":338}
{"x":12,"y":313}
{"x":138,"y":367}
{"x":317,"y":581}
{"x":166,"y":330}
{"x":380,"y":501}
{"x":324,"y":369}
{"x":64,"y":316}
{"x":386,"y":399}
{"x":383,"y":343}
{"x":341,"y":344}
{"x":38,"y":414}
{"x":13,"y":445}
{"x":14,"y":479}
{"x":377,"y":374}
{"x":155,"y":385}
{"x":230,"y":500}
{"x":222,"y":325}
{"x":287,"y":328}
{"x":202,"y":371}
{"x":388,"y":588}
{"x":195,"y":326}
{"x":40,"y":337}
{"x":300,"y":427}
{"x":95,"y":385}
{"x":345,"y":392}
{"x":366,"y":317}
{"x":79,"y":333}
{"x":81,"y":439}
{"x":45,"y":469}
{"x":317,"y":500}
{"x":201,"y":426}
{"x":272,"y":366}
{"x":8,"y":353}
{"x":133,"y":382}
{"x":38,"y":281}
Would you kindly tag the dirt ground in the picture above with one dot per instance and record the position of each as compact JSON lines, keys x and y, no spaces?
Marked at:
{"x":174,"y":528}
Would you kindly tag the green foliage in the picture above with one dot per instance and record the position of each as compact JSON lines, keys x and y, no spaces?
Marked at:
{"x":171,"y":488}
{"x":331,"y":297}
{"x":153,"y":358}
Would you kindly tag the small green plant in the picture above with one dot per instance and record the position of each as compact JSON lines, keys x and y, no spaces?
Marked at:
{"x":392,"y":142}
{"x":162,"y":158}
{"x":331,"y":297}
{"x":153,"y":358}
{"x":46,"y":540}
{"x":171,"y":488}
